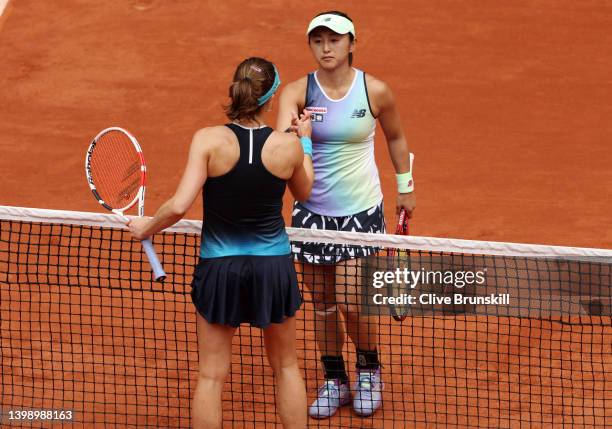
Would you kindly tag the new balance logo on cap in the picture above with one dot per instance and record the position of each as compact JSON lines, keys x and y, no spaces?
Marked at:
{"x":358,"y":113}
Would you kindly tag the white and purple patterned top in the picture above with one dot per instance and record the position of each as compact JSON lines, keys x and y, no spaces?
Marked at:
{"x":346,"y":176}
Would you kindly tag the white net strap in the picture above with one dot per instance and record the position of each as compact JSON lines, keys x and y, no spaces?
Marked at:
{"x":448,"y":245}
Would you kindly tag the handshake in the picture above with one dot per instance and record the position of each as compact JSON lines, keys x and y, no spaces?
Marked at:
{"x":302,"y":125}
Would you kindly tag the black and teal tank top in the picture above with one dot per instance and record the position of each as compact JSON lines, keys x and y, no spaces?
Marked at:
{"x":243,"y":208}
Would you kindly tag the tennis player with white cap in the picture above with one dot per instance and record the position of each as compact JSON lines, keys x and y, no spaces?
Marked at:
{"x":344,"y":105}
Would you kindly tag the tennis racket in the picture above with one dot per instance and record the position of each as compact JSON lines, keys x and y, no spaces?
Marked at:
{"x":116,"y":172}
{"x":399,"y":313}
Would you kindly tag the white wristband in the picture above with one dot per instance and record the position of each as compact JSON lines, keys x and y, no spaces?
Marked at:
{"x":405,"y":182}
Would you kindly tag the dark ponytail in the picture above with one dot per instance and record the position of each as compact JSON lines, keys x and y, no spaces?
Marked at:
{"x":252,"y":79}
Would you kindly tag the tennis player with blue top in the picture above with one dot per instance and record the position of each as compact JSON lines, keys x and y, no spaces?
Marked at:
{"x":344,"y":104}
{"x":246,"y":272}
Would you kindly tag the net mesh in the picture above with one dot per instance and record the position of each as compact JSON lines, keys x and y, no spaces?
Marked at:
{"x":84,"y":328}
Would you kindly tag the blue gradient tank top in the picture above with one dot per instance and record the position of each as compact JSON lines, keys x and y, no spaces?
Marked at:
{"x":243,"y":208}
{"x":346,"y":176}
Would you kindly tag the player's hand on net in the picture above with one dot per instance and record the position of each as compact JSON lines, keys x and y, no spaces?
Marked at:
{"x":137,"y":227}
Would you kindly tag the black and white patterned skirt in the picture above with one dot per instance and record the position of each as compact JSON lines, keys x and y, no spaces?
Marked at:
{"x":371,"y":220}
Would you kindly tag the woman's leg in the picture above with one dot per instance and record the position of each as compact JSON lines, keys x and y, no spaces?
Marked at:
{"x":363,"y":331}
{"x":291,"y":392}
{"x":361,"y":327}
{"x":329,"y":331}
{"x":215,"y":350}
{"x":329,"y":334}
{"x":319,"y":280}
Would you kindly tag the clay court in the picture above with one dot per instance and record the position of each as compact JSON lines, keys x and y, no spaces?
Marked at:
{"x":505,"y":104}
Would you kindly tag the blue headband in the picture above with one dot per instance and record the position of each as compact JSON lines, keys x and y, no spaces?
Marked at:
{"x":261,"y":100}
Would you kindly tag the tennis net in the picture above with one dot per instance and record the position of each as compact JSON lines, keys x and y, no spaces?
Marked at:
{"x":495,"y":335}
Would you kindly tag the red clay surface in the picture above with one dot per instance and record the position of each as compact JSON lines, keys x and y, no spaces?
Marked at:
{"x":506,"y":106}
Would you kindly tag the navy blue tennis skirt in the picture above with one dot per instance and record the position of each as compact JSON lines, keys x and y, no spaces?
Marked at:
{"x":258,"y":290}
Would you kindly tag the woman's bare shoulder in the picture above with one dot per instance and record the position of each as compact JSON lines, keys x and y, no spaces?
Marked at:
{"x":212,"y":136}
{"x":376,"y":87}
{"x":295,"y":89}
{"x":286,"y":145}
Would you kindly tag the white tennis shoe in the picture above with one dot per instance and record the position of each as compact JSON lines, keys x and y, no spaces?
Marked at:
{"x":332,"y":395}
{"x":368,"y":393}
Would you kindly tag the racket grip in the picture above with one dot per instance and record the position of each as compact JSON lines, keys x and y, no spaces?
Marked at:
{"x":158,"y":270}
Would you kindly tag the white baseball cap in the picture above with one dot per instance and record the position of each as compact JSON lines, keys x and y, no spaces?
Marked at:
{"x":336,"y":23}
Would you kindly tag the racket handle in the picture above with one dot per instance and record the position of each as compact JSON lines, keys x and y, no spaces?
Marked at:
{"x":402,"y":223}
{"x":158,"y":270}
